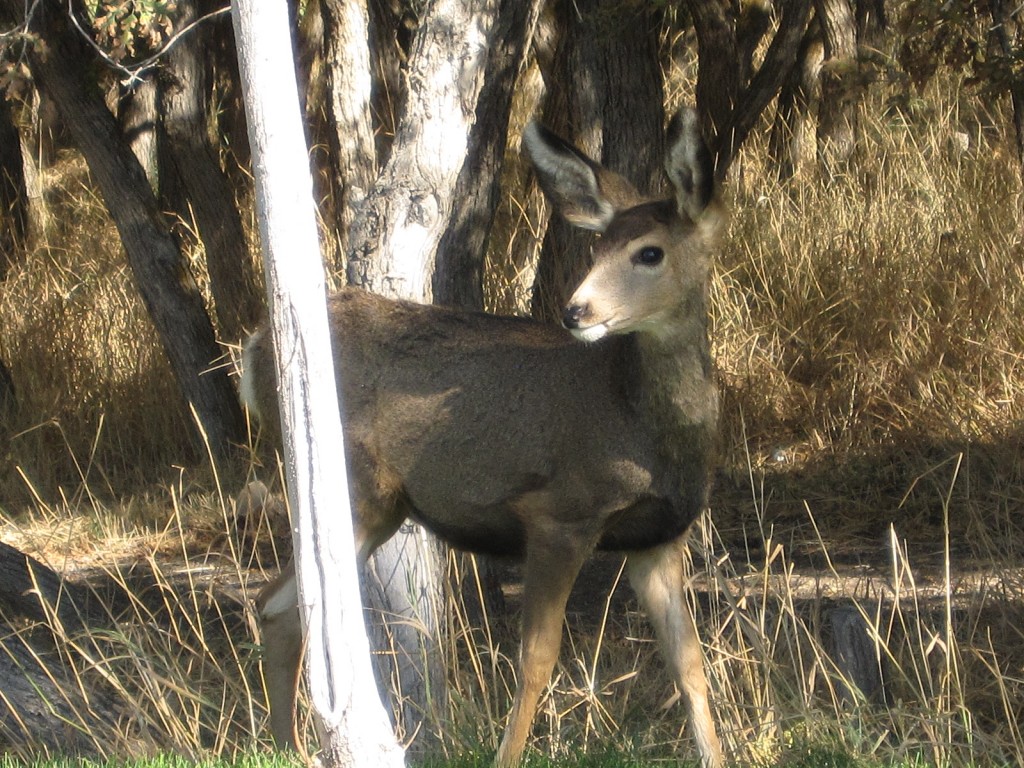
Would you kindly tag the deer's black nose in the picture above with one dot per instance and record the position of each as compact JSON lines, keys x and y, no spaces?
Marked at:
{"x":573,"y":314}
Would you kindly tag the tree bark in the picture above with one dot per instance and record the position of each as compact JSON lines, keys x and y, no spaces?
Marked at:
{"x":729,"y":105}
{"x":857,"y":658}
{"x":718,"y":83}
{"x":1007,"y":34}
{"x":839,"y":88}
{"x":871,"y":20}
{"x":792,"y":137}
{"x":222,"y":72}
{"x":13,"y":194}
{"x":28,"y":141}
{"x":8,"y":404}
{"x":139,"y":116}
{"x":394,"y":238}
{"x":393,"y":245}
{"x":605,"y":95}
{"x":393,"y":25}
{"x":41,"y":705}
{"x":354,"y":732}
{"x":349,"y":95}
{"x":459,"y":272}
{"x":32,"y":157}
{"x":209,"y":196}
{"x":170,"y":296}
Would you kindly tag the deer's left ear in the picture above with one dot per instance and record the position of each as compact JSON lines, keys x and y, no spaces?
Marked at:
{"x":689,"y":164}
{"x":569,"y":178}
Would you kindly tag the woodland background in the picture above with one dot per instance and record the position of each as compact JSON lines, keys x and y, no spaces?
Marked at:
{"x":866,"y":323}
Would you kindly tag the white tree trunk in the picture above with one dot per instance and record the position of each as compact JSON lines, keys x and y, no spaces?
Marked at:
{"x":392,"y":248}
{"x":353,"y":724}
{"x":394,"y":238}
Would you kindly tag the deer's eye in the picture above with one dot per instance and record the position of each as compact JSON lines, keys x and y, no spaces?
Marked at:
{"x":649,"y":256}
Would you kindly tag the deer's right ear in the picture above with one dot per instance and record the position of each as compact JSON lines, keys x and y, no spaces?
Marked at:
{"x":569,"y":178}
{"x":689,"y":164}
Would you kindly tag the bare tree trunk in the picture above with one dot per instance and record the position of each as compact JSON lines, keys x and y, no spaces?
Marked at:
{"x":459,"y":273}
{"x":871,"y":20}
{"x":226,"y":96}
{"x":392,"y":251}
{"x":1007,"y":36}
{"x":8,"y":403}
{"x":718,"y":83}
{"x":210,"y":198}
{"x":42,"y":706}
{"x":349,"y":91}
{"x":839,"y":88}
{"x":394,"y":238}
{"x":13,"y":195}
{"x":32,"y":143}
{"x":170,"y":296}
{"x":354,"y":728}
{"x":393,"y":25}
{"x":729,"y":105}
{"x":139,"y":116}
{"x":792,"y":137}
{"x":605,"y":95}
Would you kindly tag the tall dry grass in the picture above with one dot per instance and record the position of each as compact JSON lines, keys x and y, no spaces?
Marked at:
{"x":96,"y":403}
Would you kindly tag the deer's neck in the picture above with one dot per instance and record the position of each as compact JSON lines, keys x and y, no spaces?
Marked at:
{"x":673,"y":388}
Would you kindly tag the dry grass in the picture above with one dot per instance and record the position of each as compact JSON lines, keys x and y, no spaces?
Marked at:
{"x":86,"y":364}
{"x":869,"y":343}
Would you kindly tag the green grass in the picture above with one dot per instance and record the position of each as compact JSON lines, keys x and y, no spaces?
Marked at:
{"x":797,"y":755}
{"x":252,"y":760}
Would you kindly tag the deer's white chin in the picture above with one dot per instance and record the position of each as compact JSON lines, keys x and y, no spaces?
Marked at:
{"x":591,"y":333}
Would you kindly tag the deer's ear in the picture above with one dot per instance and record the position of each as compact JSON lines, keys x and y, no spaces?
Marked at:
{"x":689,"y":164}
{"x":569,"y":178}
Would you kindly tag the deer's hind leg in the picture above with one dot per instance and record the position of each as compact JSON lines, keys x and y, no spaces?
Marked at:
{"x":277,"y":608}
{"x":375,"y":520}
{"x":658,"y":578}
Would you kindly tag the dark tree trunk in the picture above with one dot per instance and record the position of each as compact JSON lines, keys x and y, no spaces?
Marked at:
{"x":458,"y":275}
{"x":197,"y":174}
{"x":393,"y":26}
{"x":170,"y":295}
{"x":605,"y":95}
{"x":41,"y":705}
{"x":730,"y":95}
{"x":139,"y":117}
{"x":1007,"y":37}
{"x":13,"y":194}
{"x":839,"y":87}
{"x":871,"y":20}
{"x":8,"y":400}
{"x":791,"y":135}
{"x":229,"y":112}
{"x":856,"y":655}
{"x":718,"y":75}
{"x":31,"y":590}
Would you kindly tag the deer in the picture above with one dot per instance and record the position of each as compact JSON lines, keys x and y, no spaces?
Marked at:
{"x":512,"y":437}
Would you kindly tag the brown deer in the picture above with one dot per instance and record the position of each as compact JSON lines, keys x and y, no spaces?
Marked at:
{"x":511,"y":437}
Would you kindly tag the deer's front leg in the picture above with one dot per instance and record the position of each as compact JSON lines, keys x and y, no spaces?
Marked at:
{"x":550,"y":571}
{"x":658,"y":578}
